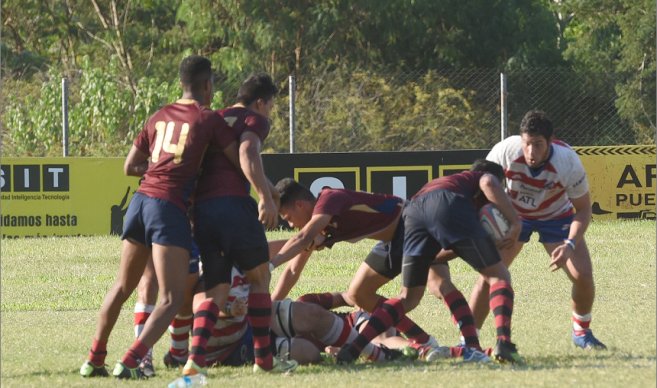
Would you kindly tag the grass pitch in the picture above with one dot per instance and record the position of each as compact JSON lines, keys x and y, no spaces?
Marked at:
{"x":52,"y":289}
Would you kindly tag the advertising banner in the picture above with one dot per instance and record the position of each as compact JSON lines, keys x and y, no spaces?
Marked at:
{"x":63,"y":196}
{"x":89,"y":196}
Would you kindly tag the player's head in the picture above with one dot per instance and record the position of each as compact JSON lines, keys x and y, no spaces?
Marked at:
{"x":257,"y":93}
{"x":489,"y":167}
{"x":537,"y":133}
{"x":196,"y":77}
{"x":297,"y":202}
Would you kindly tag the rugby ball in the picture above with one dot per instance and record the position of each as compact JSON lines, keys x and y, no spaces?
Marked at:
{"x":493,"y":221}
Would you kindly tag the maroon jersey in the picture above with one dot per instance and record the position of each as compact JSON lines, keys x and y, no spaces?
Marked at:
{"x":355,"y":215}
{"x":220,"y":177}
{"x":176,"y":138}
{"x":465,"y":183}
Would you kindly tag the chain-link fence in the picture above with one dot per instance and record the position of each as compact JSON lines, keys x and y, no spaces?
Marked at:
{"x":461,"y":109}
{"x":336,"y":110}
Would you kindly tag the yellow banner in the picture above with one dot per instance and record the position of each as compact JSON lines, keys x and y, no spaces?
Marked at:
{"x":621,"y":179}
{"x":63,"y":196}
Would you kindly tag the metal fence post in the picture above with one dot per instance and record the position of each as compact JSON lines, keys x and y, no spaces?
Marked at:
{"x":65,"y":117}
{"x":293,"y":117}
{"x":503,"y":108}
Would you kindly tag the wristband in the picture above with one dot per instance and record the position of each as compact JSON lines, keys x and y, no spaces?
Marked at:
{"x":271,"y":267}
{"x":570,"y":242}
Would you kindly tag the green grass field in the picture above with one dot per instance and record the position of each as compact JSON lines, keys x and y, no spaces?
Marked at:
{"x":52,"y":289}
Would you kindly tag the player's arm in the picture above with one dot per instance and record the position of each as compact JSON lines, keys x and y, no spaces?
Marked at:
{"x":444,"y":256}
{"x":290,"y":275}
{"x":494,"y":192}
{"x":581,"y":221}
{"x":304,"y":240}
{"x":136,"y":163}
{"x":251,"y":165}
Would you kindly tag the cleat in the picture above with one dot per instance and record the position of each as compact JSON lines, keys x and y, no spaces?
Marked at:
{"x":588,"y":341}
{"x":410,"y":353}
{"x":506,"y":351}
{"x":344,"y":356}
{"x":123,"y":372}
{"x":278,"y":366}
{"x":172,"y":362}
{"x":474,"y":355}
{"x":191,"y":368}
{"x":435,"y":353}
{"x":391,"y":354}
{"x":146,"y":367}
{"x":90,"y":370}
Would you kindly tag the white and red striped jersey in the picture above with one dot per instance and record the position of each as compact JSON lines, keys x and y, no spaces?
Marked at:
{"x":543,"y":193}
{"x":228,"y":332}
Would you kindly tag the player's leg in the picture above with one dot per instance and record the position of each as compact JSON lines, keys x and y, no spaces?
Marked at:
{"x":327,"y":300}
{"x":299,"y":349}
{"x":210,"y":297}
{"x":181,"y":325}
{"x":440,"y":285}
{"x":144,"y":306}
{"x":580,"y":272}
{"x":171,"y":263}
{"x":479,"y":296}
{"x":382,"y":265}
{"x":133,"y":260}
{"x":483,"y":256}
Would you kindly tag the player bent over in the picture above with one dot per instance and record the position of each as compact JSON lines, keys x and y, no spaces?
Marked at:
{"x":549,"y":189}
{"x":444,"y":214}
{"x":156,"y":223}
{"x":345,"y":215}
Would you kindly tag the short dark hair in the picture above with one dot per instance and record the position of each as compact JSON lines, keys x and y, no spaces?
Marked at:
{"x":291,"y":190}
{"x":488,"y":167}
{"x":259,"y":85}
{"x":536,"y":123}
{"x":195,"y":71}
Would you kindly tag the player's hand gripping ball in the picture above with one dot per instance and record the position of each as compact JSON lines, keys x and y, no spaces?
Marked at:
{"x":494,"y":223}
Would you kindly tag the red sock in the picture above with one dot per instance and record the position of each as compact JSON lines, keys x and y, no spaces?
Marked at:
{"x":382,"y":318}
{"x":325,"y":300}
{"x":98,"y":352}
{"x":136,"y":352}
{"x":204,"y":321}
{"x":581,"y":323}
{"x":501,"y":304}
{"x":179,"y":330}
{"x":411,"y":330}
{"x":142,"y":312}
{"x":259,"y":316}
{"x":462,"y":316}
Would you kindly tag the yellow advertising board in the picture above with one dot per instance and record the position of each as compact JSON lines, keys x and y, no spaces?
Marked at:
{"x":621,"y":179}
{"x":63,"y":196}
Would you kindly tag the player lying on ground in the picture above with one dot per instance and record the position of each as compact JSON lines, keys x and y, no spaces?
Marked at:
{"x":343,"y":215}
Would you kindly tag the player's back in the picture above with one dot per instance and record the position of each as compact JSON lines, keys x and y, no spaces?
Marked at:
{"x":176,"y":138}
{"x":220,"y":177}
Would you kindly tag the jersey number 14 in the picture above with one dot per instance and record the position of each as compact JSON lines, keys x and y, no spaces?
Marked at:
{"x":163,"y":141}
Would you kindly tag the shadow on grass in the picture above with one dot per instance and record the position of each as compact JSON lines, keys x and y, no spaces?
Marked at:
{"x":588,"y":360}
{"x":43,"y":373}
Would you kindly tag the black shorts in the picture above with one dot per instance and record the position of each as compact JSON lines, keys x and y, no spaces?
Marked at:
{"x":443,"y":219}
{"x":228,"y":232}
{"x":386,"y":257}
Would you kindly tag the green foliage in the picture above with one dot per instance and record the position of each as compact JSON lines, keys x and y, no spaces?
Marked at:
{"x":122,"y":59}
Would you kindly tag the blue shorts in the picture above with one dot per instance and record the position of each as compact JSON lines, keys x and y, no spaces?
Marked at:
{"x":228,"y":233}
{"x":443,"y":219}
{"x":155,"y":221}
{"x":548,"y":231}
{"x":194,"y":259}
{"x":242,"y":354}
